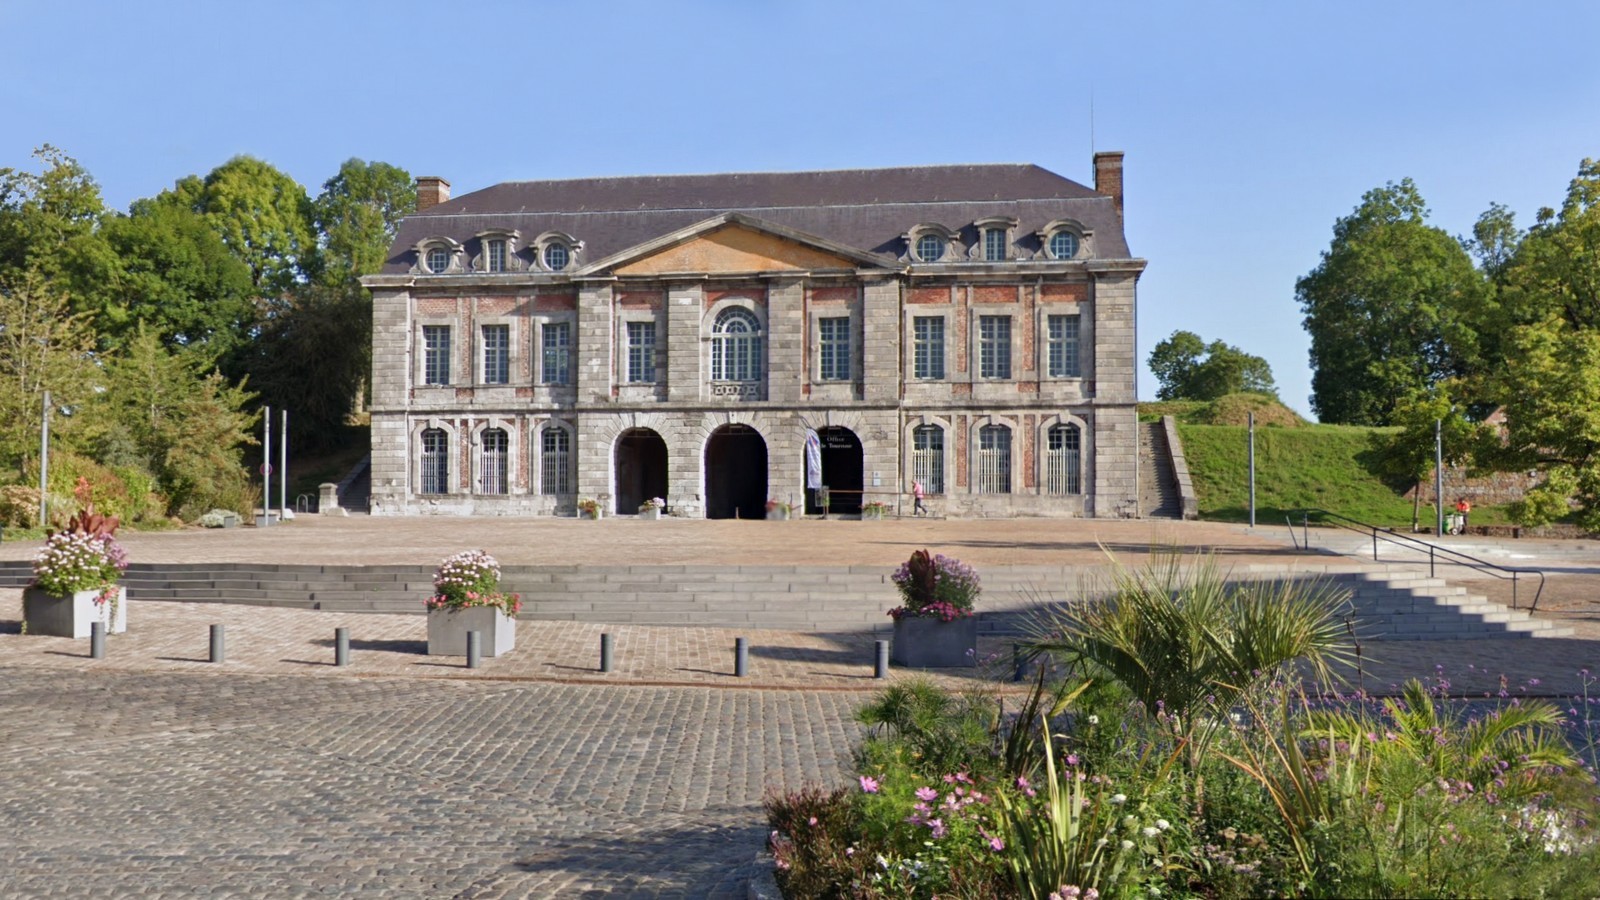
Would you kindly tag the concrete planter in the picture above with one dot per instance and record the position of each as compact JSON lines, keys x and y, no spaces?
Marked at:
{"x":871,"y":515}
{"x":447,"y":631}
{"x":650,"y":513}
{"x":931,"y":644}
{"x":73,"y":616}
{"x":590,"y":514}
{"x":778,"y":514}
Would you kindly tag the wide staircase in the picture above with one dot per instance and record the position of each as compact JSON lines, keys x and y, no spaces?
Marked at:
{"x":1158,"y":483}
{"x":1389,"y":603}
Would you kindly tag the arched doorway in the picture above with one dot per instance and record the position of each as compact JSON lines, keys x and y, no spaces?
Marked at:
{"x":641,"y":469}
{"x":736,"y":473}
{"x":842,"y":469}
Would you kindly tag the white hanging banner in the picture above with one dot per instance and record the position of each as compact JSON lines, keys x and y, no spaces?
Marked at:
{"x":813,"y":459}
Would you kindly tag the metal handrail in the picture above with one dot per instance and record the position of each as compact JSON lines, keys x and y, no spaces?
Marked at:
{"x":1454,"y":557}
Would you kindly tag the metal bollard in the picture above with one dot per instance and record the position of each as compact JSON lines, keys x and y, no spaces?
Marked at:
{"x":97,"y":640}
{"x":605,"y":652}
{"x":880,"y":666}
{"x":341,"y":646}
{"x":741,"y":657}
{"x":217,"y":649}
{"x":474,"y":649}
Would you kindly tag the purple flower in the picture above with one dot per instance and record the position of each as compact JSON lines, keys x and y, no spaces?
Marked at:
{"x":869,"y":784}
{"x":927,"y":794}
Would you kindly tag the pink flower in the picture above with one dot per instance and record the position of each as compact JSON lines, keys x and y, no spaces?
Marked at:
{"x":927,"y":794}
{"x":996,"y":844}
{"x":869,"y":784}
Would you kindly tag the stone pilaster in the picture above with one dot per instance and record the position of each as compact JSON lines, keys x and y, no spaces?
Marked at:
{"x":880,"y":350}
{"x":392,"y":366}
{"x":786,"y":323}
{"x":594,"y":343}
{"x":685,"y":308}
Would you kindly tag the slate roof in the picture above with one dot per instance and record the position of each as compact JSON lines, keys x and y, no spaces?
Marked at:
{"x":866,"y":208}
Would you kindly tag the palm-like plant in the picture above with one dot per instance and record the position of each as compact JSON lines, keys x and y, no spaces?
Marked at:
{"x":1515,"y":751}
{"x":1184,"y":640}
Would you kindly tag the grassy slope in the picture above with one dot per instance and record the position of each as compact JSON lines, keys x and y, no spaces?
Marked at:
{"x":1316,"y":466}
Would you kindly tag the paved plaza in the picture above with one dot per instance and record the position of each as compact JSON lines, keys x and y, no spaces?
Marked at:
{"x":156,"y":773}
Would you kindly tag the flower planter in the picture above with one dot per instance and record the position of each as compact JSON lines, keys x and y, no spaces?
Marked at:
{"x":73,"y":616}
{"x":927,"y":643}
{"x":447,"y":630}
{"x":650,"y":513}
{"x":778,"y":514}
{"x":589,"y":513}
{"x":870,"y":515}
{"x":230,"y":521}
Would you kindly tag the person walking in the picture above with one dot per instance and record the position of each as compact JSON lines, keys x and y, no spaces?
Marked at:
{"x":917,"y":509}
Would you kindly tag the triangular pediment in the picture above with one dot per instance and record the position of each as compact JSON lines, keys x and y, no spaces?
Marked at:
{"x":734,"y":244}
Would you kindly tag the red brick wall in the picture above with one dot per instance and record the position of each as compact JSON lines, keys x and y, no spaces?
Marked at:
{"x":929,"y":295}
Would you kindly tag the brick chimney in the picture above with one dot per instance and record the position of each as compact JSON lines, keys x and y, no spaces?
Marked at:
{"x":1108,"y":175}
{"x":433,"y":190}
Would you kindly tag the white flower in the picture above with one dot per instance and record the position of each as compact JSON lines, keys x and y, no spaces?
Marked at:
{"x":1119,"y":799}
{"x":1127,"y":845}
{"x":1094,"y":720}
{"x":1163,"y":824}
{"x":1151,"y":832}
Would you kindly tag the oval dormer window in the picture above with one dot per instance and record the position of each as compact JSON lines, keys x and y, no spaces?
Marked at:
{"x":1063,"y":245}
{"x":930,"y":248}
{"x":438,"y":259}
{"x":556,"y":257}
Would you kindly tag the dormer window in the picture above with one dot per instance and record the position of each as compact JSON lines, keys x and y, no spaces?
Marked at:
{"x":438,"y":260}
{"x":929,"y":243}
{"x":1063,"y":239}
{"x":557,"y":252}
{"x":494,"y":255}
{"x":994,"y":238}
{"x":497,"y":251}
{"x":437,"y":256}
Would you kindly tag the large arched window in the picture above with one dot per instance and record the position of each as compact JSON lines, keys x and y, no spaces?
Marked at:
{"x":492,"y":467}
{"x":435,"y":462}
{"x":736,"y":346}
{"x":927,"y":457}
{"x":1063,"y":460}
{"x":994,"y":459}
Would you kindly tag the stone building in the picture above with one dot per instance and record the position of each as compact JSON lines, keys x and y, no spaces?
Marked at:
{"x":618,"y":339}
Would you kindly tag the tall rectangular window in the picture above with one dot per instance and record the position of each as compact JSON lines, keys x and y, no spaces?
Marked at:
{"x":435,"y":462}
{"x":557,"y":368}
{"x":496,"y":255}
{"x":994,"y":346}
{"x":927,"y":347}
{"x":641,"y":351}
{"x":497,"y":354}
{"x":1062,"y":341}
{"x":493,"y":464}
{"x":436,"y":354}
{"x":555,"y":471}
{"x":994,"y":245}
{"x":994,"y":459}
{"x":927,"y":457}
{"x":834,"y":342}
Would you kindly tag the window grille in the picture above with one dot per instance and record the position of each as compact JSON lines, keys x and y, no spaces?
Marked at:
{"x":1062,"y":338}
{"x":927,"y":339}
{"x":994,"y":346}
{"x":496,"y":255}
{"x":930,"y":247}
{"x":835,"y":345}
{"x":994,"y":459}
{"x":556,"y":257}
{"x":556,"y":460}
{"x":496,"y":354}
{"x":641,"y":351}
{"x":1063,"y":245}
{"x":438,"y":260}
{"x":736,"y":346}
{"x":435,"y":462}
{"x":492,"y":465}
{"x":557,"y":353}
{"x":436,"y":354}
{"x":994,"y":245}
{"x":1063,"y":460}
{"x":927,"y":457}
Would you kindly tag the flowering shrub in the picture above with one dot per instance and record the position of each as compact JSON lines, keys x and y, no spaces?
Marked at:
{"x":470,"y":578}
{"x":779,"y":505}
{"x":875,"y":509}
{"x":589,"y":507}
{"x":72,"y":561}
{"x":652,"y":503}
{"x":938,"y":586}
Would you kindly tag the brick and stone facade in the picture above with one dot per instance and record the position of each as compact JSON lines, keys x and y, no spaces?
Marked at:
{"x":538,"y":343}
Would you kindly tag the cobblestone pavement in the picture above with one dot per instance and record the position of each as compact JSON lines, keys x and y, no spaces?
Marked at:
{"x":158,"y":784}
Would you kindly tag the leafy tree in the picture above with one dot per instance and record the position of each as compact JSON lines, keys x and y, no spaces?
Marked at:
{"x":1190,"y":369}
{"x":313,"y":358}
{"x":1408,"y":454}
{"x":263,"y":216}
{"x":357,"y":214}
{"x":178,"y":279}
{"x":49,"y":227}
{"x":1390,"y":308}
{"x":44,"y":346}
{"x":180,"y":422}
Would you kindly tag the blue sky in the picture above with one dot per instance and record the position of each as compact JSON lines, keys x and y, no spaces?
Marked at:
{"x":1248,"y":127}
